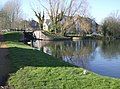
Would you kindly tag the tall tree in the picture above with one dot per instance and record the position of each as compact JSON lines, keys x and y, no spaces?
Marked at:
{"x":40,"y":18}
{"x":4,"y":20}
{"x":62,"y":12}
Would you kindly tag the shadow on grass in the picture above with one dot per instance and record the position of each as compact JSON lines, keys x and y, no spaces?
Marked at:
{"x":4,"y":66}
{"x":21,"y":57}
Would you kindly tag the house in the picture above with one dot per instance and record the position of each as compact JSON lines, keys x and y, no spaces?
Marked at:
{"x":81,"y":24}
{"x":46,"y":24}
{"x":85,"y":24}
{"x":34,"y":24}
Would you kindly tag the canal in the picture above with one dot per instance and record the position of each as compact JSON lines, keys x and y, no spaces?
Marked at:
{"x":101,"y":57}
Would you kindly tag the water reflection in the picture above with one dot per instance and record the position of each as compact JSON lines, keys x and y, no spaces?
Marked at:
{"x":79,"y":53}
{"x":98,"y":56}
{"x":111,"y":49}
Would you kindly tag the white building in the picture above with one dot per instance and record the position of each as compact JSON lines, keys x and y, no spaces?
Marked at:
{"x":46,"y":24}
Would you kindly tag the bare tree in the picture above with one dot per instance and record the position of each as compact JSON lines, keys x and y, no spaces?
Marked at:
{"x":4,"y":20}
{"x":13,"y":10}
{"x":111,"y":25}
{"x":40,"y":18}
{"x":62,"y":12}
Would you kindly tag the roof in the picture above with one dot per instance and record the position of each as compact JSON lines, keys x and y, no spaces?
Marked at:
{"x":48,"y":21}
{"x":34,"y":24}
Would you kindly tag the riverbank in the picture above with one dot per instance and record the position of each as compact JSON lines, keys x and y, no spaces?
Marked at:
{"x":46,"y":36}
{"x":32,"y":69}
{"x":54,"y":37}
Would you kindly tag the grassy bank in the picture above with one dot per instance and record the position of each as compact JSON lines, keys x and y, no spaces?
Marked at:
{"x":32,"y":69}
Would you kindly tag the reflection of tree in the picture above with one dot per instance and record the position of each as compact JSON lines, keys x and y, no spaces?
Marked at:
{"x":80,"y":57}
{"x":56,"y":48}
{"x":111,"y":48}
{"x":74,"y":52}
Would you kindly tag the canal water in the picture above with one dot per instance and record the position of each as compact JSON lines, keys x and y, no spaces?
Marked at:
{"x":101,"y":57}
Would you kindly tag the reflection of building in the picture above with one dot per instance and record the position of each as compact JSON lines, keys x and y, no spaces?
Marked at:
{"x":47,"y":50}
{"x":39,"y":44}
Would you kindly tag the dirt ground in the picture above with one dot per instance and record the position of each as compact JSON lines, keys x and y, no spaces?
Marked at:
{"x":4,"y":62}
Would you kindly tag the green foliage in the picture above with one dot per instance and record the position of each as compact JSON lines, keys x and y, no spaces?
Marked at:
{"x":60,"y":78}
{"x":32,"y":69}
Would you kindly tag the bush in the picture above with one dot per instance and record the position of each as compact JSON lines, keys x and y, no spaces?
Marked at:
{"x":111,"y":27}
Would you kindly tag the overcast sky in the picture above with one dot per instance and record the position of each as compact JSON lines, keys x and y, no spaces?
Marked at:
{"x":99,"y":9}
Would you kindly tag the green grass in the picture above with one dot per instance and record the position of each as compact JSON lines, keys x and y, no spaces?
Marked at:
{"x":32,"y":69}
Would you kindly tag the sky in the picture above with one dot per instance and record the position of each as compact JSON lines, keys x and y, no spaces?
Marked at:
{"x":2,"y":3}
{"x":103,"y":8}
{"x":99,"y":9}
